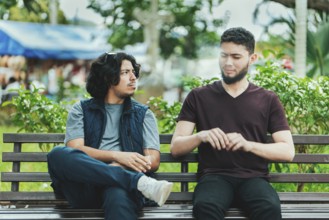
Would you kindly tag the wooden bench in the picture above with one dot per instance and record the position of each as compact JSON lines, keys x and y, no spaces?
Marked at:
{"x":16,"y":204}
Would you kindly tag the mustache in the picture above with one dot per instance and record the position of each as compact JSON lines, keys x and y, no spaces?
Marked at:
{"x":132,"y":84}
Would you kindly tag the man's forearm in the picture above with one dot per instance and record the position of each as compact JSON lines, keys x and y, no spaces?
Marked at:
{"x":102,"y":155}
{"x":275,"y":151}
{"x":182,"y":145}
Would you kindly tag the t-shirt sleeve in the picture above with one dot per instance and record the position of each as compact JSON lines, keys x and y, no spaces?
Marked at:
{"x":188,"y":111}
{"x":74,"y":124}
{"x":277,"y":119}
{"x":150,"y":131}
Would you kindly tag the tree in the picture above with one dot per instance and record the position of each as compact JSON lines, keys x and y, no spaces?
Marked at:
{"x":317,"y":48}
{"x":29,"y":11}
{"x":174,"y":27}
{"x":316,"y":44}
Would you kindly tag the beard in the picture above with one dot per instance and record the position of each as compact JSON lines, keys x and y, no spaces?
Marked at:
{"x":123,"y":96}
{"x":230,"y":80}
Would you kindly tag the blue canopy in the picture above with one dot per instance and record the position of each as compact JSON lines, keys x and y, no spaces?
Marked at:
{"x":45,"y":41}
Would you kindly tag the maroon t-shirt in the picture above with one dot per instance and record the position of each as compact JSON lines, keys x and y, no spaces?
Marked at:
{"x":254,"y":113}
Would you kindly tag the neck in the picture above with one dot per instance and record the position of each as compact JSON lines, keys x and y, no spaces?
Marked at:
{"x":236,"y":89}
{"x":112,"y":99}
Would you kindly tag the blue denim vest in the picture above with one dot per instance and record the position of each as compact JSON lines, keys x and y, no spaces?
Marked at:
{"x":131,"y":124}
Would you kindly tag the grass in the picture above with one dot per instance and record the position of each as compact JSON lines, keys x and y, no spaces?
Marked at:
{"x":5,"y":148}
{"x":25,"y":167}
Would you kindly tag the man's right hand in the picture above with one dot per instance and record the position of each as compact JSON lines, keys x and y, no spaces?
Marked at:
{"x":132,"y":160}
{"x":216,"y":137}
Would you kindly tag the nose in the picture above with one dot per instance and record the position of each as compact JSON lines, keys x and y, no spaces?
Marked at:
{"x":228,"y":61}
{"x":132,"y":76}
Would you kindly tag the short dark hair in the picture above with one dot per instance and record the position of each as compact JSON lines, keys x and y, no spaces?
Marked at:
{"x":105,"y":72}
{"x":239,"y":35}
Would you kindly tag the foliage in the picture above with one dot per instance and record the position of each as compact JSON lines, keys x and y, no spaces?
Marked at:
{"x":29,"y":11}
{"x":166,"y":114}
{"x":305,"y":105}
{"x":303,"y":98}
{"x":70,"y":92}
{"x":194,"y":82}
{"x":5,"y":111}
{"x":36,"y":113}
{"x":184,"y":36}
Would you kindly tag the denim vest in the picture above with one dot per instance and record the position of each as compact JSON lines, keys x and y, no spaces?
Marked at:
{"x":131,"y":124}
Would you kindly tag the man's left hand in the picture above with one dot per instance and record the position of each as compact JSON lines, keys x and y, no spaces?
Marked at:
{"x":238,"y":142}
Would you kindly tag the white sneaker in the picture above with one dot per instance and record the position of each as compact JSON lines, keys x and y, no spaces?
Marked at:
{"x":155,"y":190}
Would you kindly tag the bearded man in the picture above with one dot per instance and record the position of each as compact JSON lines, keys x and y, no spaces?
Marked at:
{"x":232,"y":118}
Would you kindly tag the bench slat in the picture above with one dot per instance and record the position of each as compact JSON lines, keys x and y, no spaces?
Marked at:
{"x":164,"y":138}
{"x":25,"y":177}
{"x":42,"y":157}
{"x":316,"y":197}
{"x":50,"y":196}
{"x":33,"y":138}
{"x":274,"y":177}
{"x":165,"y":158}
{"x":300,"y":211}
{"x":176,"y":177}
{"x":53,"y":138}
{"x":24,"y":157}
{"x":299,"y":178}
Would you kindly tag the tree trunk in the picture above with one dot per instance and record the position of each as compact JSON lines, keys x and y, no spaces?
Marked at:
{"x":151,"y":20}
{"x":300,"y":37}
{"x":53,"y":11}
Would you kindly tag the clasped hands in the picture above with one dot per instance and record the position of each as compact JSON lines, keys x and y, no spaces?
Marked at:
{"x":133,"y":161}
{"x":224,"y":141}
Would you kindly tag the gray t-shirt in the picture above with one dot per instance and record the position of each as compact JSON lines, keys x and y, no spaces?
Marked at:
{"x":111,"y":138}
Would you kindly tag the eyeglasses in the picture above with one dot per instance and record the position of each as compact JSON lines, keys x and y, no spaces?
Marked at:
{"x":107,"y":55}
{"x":112,"y":54}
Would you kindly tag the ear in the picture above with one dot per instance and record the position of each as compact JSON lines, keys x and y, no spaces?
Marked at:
{"x":253,"y":58}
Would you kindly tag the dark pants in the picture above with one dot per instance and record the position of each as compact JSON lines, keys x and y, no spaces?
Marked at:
{"x":89,"y":183}
{"x":214,"y":194}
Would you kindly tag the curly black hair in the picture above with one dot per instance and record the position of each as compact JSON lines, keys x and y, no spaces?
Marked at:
{"x":105,"y":72}
{"x":239,"y":35}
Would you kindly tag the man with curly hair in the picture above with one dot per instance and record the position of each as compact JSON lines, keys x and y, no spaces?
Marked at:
{"x":232,"y":118}
{"x":111,"y":145}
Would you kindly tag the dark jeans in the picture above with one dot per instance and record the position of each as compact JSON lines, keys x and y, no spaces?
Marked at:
{"x":89,"y":183}
{"x":214,"y":195}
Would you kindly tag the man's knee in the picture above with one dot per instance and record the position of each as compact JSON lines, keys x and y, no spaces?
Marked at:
{"x":61,"y":155}
{"x":56,"y":154}
{"x":59,"y":159}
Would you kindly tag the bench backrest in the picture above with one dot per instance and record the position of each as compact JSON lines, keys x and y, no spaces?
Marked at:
{"x":183,"y":177}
